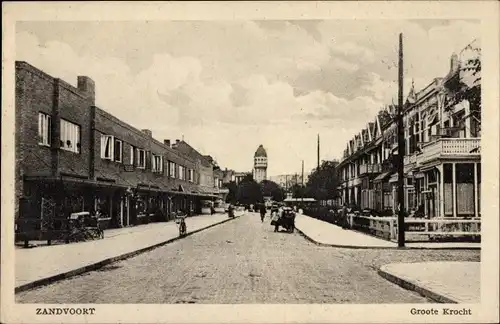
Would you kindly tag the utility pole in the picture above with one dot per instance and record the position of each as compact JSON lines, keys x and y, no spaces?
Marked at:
{"x":302,"y":187}
{"x":318,"y":152}
{"x":401,"y":150}
{"x":302,"y":172}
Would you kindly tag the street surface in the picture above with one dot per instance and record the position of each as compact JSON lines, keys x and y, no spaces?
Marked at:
{"x":243,"y":261}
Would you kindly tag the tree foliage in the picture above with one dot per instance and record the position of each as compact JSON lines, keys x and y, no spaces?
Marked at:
{"x":461,"y":90}
{"x":323,"y":182}
{"x":249,"y":191}
{"x":233,"y":191}
{"x":272,"y":189}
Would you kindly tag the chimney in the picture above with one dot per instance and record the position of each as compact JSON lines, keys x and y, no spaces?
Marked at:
{"x":147,"y":132}
{"x":166,"y":142}
{"x":87,"y":87}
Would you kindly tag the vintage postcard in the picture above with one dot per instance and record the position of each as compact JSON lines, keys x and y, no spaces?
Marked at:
{"x":250,"y":162}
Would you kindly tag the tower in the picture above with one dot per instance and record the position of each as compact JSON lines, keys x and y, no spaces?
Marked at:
{"x":260,"y":164}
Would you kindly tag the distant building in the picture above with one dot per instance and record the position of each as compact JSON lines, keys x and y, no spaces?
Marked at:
{"x":288,"y":180}
{"x":260,"y":164}
{"x":231,"y":175}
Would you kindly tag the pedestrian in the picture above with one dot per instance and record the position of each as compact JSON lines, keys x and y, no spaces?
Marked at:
{"x":262,"y":212}
{"x":344,"y":216}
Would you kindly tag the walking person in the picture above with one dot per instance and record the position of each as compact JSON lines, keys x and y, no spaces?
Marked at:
{"x":344,"y":216}
{"x":262,"y":212}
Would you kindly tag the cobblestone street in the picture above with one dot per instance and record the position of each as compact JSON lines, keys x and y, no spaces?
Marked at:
{"x":244,"y":261}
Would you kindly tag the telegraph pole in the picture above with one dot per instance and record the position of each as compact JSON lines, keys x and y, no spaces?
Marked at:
{"x":318,"y":152}
{"x":302,"y":189}
{"x":401,"y":150}
{"x":302,"y":172}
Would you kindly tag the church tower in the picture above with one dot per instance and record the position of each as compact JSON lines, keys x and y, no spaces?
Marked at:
{"x":260,"y":164}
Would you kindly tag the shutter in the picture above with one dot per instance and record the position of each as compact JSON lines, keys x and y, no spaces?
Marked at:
{"x":103,"y":146}
{"x":49,"y":130}
{"x":40,"y":127}
{"x":111,"y":147}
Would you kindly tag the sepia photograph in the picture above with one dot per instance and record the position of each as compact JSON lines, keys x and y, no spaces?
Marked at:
{"x":249,"y":160}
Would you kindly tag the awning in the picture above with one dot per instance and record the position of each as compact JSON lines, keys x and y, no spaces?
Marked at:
{"x":382,"y":177}
{"x":394,"y":178}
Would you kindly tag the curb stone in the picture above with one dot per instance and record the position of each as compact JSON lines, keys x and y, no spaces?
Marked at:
{"x":354,"y":247}
{"x":100,"y":264}
{"x":409,"y":285}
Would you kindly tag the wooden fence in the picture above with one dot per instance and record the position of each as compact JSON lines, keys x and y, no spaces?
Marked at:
{"x":417,"y":229}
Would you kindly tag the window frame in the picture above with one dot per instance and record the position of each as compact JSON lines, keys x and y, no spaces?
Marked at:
{"x":156,"y":163}
{"x":68,"y":134}
{"x":139,"y":164}
{"x":171,"y":169}
{"x":133,"y":155}
{"x":104,"y":139}
{"x":44,"y":126}
{"x":115,"y":142}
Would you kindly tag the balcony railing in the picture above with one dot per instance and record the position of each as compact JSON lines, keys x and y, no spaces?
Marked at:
{"x":410,"y":159}
{"x":449,"y":147}
{"x":369,"y":168}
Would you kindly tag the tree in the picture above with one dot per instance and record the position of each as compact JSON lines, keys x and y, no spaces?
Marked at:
{"x":272,"y":189}
{"x":233,"y":191}
{"x":249,"y":191}
{"x":323,"y":182}
{"x":466,"y":85}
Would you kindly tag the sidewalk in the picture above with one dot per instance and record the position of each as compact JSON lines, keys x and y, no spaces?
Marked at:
{"x":324,"y":233}
{"x":42,"y":265}
{"x":433,"y":280}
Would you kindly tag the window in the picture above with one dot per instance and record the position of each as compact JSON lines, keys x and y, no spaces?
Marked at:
{"x":190,"y":175}
{"x":171,"y":169}
{"x":157,"y":163}
{"x":118,"y":150}
{"x":182,"y":174}
{"x":107,"y":148}
{"x":44,"y":129}
{"x":141,"y":158}
{"x":70,"y":136}
{"x":133,"y":155}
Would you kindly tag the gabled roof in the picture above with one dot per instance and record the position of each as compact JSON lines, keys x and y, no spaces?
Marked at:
{"x":384,"y":118}
{"x":371,"y":132}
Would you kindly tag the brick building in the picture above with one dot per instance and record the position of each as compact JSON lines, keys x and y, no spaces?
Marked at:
{"x":72,"y":156}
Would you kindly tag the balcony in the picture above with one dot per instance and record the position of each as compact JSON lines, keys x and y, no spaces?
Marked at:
{"x":450,"y":148}
{"x":410,"y":159}
{"x":369,"y":168}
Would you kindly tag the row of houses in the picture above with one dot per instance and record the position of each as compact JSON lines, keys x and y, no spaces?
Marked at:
{"x":442,"y":161}
{"x":73,"y":156}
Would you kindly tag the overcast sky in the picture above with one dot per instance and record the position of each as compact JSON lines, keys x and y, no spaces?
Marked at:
{"x":230,"y":86}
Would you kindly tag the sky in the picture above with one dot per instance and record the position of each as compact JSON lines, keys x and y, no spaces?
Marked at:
{"x":228,"y":86}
